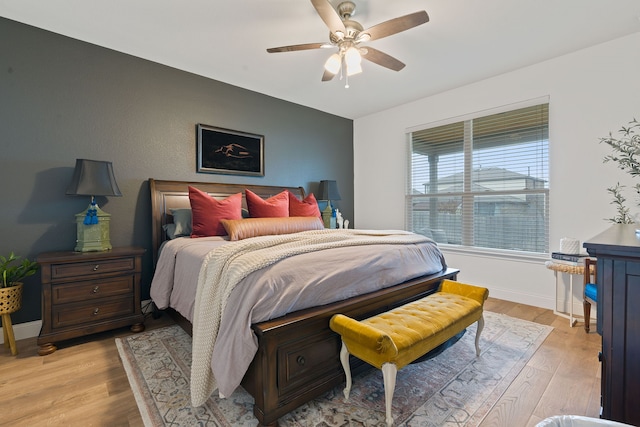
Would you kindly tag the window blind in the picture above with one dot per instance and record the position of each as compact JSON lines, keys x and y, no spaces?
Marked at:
{"x":482,"y":182}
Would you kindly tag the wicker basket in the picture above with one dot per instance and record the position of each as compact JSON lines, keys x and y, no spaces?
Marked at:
{"x":565,"y":268}
{"x":11,"y":299}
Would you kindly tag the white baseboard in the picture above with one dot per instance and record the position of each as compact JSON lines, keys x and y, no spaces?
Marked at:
{"x":522,"y":298}
{"x":24,"y":330}
{"x":543,"y":302}
{"x":146,"y":306}
{"x":32,"y":329}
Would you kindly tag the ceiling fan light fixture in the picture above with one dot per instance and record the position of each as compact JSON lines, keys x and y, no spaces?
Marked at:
{"x":363,"y":37}
{"x":345,"y":34}
{"x":354,"y":69}
{"x":352,"y":57}
{"x":352,"y":61}
{"x":333,"y":63}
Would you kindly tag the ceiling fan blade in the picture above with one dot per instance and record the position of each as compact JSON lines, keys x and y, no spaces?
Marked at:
{"x":327,"y":75}
{"x":329,"y":15}
{"x":397,"y":25}
{"x":292,"y":48}
{"x":381,"y":58}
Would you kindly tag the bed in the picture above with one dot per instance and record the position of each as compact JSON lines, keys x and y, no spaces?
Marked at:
{"x":297,"y":356}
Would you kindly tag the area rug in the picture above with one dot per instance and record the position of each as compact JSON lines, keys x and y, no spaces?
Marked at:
{"x":454,"y":388}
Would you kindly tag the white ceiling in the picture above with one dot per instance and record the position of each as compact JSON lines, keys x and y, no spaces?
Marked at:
{"x":465,"y":41}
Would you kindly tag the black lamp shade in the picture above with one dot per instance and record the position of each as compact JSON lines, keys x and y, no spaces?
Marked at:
{"x":93,"y":178}
{"x":329,"y":190}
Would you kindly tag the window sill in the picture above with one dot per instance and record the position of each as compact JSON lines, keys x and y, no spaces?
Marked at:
{"x":495,"y":253}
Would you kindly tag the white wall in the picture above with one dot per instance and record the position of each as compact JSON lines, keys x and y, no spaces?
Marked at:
{"x":591,"y":92}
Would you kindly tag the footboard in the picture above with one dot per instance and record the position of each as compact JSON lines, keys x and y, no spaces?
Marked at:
{"x":298,"y":357}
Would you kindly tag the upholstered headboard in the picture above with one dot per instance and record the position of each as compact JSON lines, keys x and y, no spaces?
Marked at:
{"x":167,"y":195}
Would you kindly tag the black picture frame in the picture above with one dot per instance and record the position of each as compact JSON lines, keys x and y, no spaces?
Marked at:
{"x":227,"y":151}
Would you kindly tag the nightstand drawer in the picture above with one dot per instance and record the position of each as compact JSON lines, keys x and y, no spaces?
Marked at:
{"x":84,"y":269}
{"x":77,"y":314}
{"x":91,"y":290}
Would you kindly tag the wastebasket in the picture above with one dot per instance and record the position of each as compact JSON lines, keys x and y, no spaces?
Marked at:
{"x":578,"y":421}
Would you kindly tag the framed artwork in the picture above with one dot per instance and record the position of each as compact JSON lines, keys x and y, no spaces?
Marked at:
{"x":229,"y":152}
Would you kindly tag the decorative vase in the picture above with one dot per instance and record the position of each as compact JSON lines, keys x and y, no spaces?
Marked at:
{"x":10,"y":302}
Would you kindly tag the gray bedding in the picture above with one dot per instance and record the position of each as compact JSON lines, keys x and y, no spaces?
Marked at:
{"x":294,"y":283}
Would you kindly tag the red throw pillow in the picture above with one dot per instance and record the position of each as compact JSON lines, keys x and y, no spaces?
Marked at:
{"x":306,"y":207}
{"x":207,"y":212}
{"x":276,"y":206}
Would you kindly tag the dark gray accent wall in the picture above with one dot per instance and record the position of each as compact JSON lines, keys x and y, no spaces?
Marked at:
{"x":62,"y":99}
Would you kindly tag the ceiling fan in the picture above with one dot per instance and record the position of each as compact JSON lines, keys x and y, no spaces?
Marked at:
{"x":347,"y":34}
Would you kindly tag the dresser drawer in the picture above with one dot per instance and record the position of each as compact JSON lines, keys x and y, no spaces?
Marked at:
{"x":91,"y":268}
{"x":92,"y":312}
{"x":92,"y":290}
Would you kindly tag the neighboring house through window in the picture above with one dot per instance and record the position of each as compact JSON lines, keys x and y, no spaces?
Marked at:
{"x":482,"y":181}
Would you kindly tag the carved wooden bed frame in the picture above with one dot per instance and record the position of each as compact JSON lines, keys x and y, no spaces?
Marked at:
{"x":298,"y":355}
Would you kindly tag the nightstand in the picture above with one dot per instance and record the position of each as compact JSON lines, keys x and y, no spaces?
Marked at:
{"x":88,"y":292}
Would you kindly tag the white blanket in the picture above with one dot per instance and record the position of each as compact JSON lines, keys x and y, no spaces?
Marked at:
{"x":225,"y":266}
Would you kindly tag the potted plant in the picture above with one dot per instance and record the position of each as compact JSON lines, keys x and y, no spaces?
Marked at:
{"x":626,"y":154}
{"x":12,"y":272}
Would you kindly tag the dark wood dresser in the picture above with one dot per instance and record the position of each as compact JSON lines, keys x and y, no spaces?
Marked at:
{"x":618,"y":279}
{"x":88,"y":292}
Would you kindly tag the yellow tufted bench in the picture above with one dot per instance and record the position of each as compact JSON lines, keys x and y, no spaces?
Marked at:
{"x":392,"y":340}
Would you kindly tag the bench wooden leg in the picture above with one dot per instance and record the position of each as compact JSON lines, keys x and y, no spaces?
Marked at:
{"x":389,"y":371}
{"x":344,"y":359}
{"x":478,"y":332}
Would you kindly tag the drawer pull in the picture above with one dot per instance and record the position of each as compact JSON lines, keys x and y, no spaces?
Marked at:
{"x":301,"y":360}
{"x":95,"y":312}
{"x":95,"y":289}
{"x":96,"y":267}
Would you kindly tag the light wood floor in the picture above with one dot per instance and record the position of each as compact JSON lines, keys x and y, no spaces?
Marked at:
{"x":84,"y":383}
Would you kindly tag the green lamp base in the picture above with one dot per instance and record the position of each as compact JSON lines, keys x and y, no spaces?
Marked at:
{"x":327,"y":216}
{"x":93,"y":237}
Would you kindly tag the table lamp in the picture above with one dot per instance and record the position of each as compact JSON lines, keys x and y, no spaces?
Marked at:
{"x":93,"y":178}
{"x":329,"y":191}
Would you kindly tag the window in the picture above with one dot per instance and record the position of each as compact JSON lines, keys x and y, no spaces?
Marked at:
{"x":483,"y":182}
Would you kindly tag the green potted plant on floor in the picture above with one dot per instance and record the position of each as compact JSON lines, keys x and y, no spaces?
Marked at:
{"x":12,"y":272}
